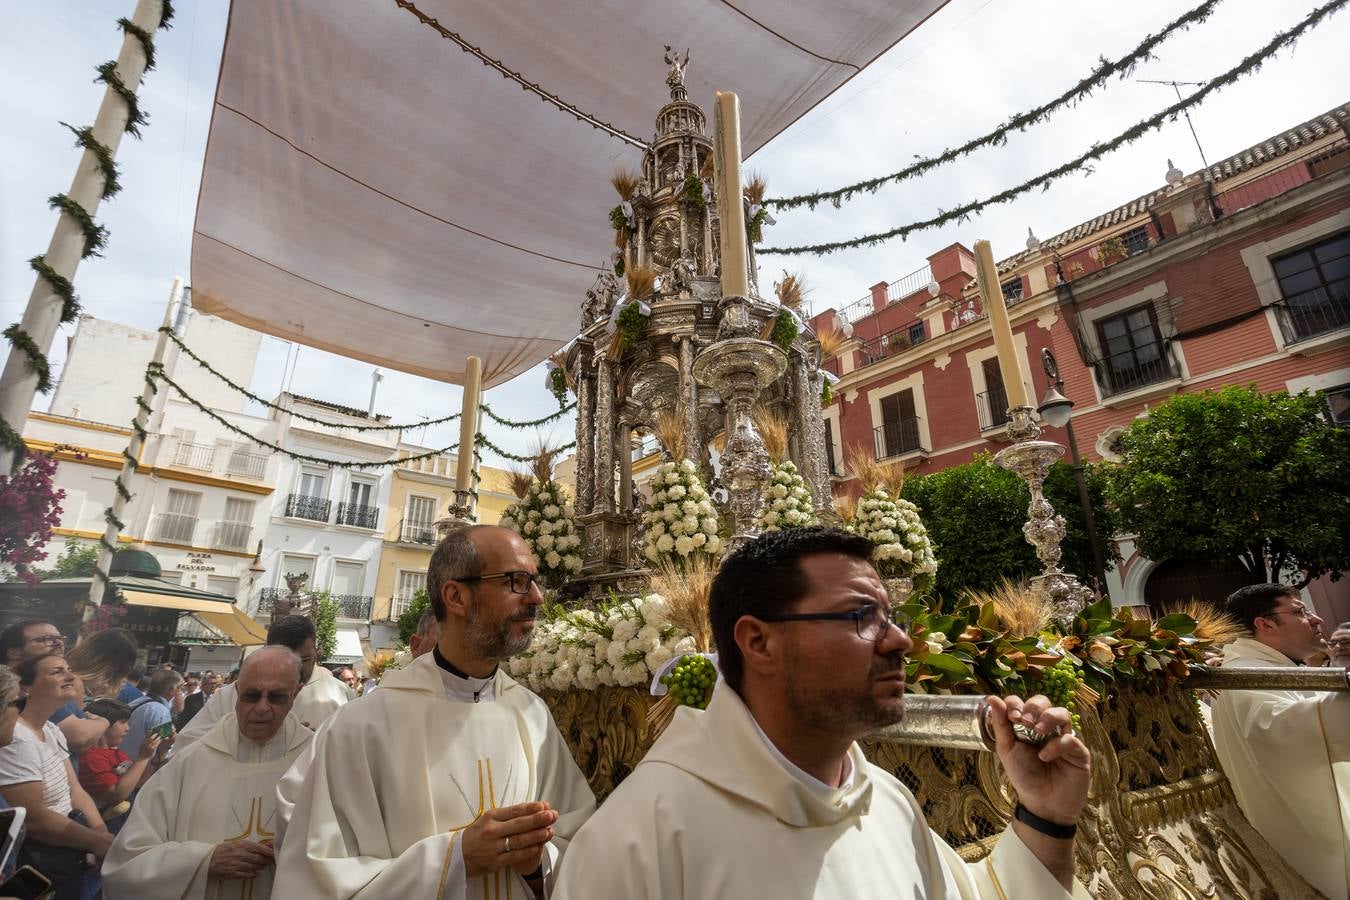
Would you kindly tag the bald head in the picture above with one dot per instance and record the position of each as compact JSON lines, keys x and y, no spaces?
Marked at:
{"x":427,"y":634}
{"x":268,"y":682}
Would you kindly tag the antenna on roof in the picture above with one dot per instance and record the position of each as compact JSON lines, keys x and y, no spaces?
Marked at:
{"x":1176,"y":86}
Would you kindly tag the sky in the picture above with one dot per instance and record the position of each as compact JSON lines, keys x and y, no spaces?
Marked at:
{"x":972,"y":65}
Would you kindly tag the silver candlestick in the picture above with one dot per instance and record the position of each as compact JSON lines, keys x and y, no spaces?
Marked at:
{"x":738,"y":367}
{"x":1031,"y":458}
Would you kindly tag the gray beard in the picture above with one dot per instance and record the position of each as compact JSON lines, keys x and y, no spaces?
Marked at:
{"x":491,"y":641}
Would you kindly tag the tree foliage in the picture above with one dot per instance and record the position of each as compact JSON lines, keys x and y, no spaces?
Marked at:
{"x":1235,"y":473}
{"x":30,"y":507}
{"x":325,"y":624}
{"x":407,"y":622}
{"x":974,"y":514}
{"x":77,"y":560}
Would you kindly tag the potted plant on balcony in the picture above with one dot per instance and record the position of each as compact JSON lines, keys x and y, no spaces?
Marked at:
{"x":1113,"y":251}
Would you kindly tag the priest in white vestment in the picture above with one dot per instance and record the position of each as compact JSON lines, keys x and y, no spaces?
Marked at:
{"x":767,"y":794}
{"x":321,"y":694}
{"x":451,"y":780}
{"x":201,"y":828}
{"x":1287,"y":753}
{"x":420,"y":642}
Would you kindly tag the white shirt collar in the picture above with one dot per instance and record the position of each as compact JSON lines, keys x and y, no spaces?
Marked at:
{"x":805,"y":777}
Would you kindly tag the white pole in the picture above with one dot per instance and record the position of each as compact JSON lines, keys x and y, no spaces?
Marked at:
{"x":43,"y":315}
{"x":146,"y":405}
{"x":468,"y":429}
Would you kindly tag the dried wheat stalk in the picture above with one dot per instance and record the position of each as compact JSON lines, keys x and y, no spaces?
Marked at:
{"x":669,"y":430}
{"x":686,"y":586}
{"x":774,"y":428}
{"x":641,"y":281}
{"x":791,"y":290}
{"x":1023,"y":611}
{"x":872,"y":475}
{"x":755,"y":188}
{"x":625,"y":181}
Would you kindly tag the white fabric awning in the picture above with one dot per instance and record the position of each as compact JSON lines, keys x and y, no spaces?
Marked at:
{"x":373,"y":189}
{"x":348,"y":647}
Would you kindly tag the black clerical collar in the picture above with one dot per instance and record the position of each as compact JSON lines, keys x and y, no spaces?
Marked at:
{"x":456,"y":671}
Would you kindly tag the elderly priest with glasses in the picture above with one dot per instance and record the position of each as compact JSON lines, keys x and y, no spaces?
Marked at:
{"x":767,"y":794}
{"x":1287,"y":753}
{"x":451,"y":780}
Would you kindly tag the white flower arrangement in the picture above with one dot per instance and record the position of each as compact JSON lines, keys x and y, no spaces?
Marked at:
{"x":544,"y":519}
{"x":787,"y":500}
{"x":903,"y":548}
{"x":619,"y":645}
{"x":680,"y":519}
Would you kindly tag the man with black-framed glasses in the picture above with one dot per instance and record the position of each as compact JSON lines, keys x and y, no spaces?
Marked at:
{"x":766,"y":793}
{"x":1287,"y":753}
{"x":451,"y":780}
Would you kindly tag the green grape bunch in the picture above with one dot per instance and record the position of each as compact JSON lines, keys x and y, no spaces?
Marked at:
{"x":691,"y":681}
{"x":1061,"y":685}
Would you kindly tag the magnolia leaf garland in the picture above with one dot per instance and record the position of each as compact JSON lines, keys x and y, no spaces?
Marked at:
{"x":95,"y":235}
{"x":1104,"y":71}
{"x":965,"y":211}
{"x":680,"y":519}
{"x":545,"y":519}
{"x":787,"y":500}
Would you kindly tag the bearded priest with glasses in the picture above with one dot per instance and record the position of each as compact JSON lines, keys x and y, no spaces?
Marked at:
{"x":767,"y":793}
{"x":451,"y":780}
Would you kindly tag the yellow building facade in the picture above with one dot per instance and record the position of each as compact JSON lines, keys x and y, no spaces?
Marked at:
{"x":421,"y":492}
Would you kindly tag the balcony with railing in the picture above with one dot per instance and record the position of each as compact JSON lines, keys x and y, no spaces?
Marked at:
{"x":358,"y":515}
{"x":353,"y":606}
{"x":194,"y":456}
{"x":1136,"y":368}
{"x":175,"y":528}
{"x":231,"y":535}
{"x":246,"y":464}
{"x":416,"y":532}
{"x":896,"y":291}
{"x":316,"y":509}
{"x":992,"y":407}
{"x":399,"y":605}
{"x":887,"y":345}
{"x":898,"y":438}
{"x":1311,"y":314}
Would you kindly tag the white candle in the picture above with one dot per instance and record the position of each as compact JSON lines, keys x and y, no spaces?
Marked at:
{"x":997,"y":311}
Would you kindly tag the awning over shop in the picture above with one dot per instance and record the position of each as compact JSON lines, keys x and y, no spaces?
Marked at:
{"x":348,"y":649}
{"x":220,"y":613}
{"x":409,"y":183}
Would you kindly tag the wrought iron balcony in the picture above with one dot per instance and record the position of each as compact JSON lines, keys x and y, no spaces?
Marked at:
{"x":249,"y":465}
{"x":357,"y":515}
{"x":176,"y":528}
{"x":231,"y":535}
{"x":1136,"y":368}
{"x":353,"y":606}
{"x":298,"y":506}
{"x":1313,"y":313}
{"x":194,"y":456}
{"x":992,"y":407}
{"x":399,"y":606}
{"x":417,"y":532}
{"x":898,"y":438}
{"x":893,"y":342}
{"x":268,"y":598}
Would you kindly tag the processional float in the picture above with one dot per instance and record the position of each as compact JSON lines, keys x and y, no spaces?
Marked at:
{"x":690,"y":340}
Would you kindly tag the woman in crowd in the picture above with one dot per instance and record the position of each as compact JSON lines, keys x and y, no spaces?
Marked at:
{"x":108,"y":774}
{"x":10,"y":703}
{"x":65,"y":835}
{"x":103,"y":660}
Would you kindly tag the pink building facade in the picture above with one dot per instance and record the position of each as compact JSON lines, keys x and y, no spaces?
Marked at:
{"x":1238,"y":274}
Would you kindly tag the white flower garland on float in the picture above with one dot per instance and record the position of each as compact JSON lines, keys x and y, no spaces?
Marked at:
{"x":680,"y":520}
{"x":544,"y":518}
{"x":622,"y":643}
{"x":903,"y":548}
{"x":787,"y":500}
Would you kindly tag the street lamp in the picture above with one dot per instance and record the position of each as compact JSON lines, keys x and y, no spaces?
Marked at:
{"x":1057,"y":411}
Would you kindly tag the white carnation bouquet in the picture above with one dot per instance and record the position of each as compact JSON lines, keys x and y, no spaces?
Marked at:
{"x":620,"y":644}
{"x":680,"y":520}
{"x":544,"y":518}
{"x":903,"y":548}
{"x":787,"y":500}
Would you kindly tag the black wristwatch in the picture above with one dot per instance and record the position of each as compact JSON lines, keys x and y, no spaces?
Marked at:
{"x":1044,"y":826}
